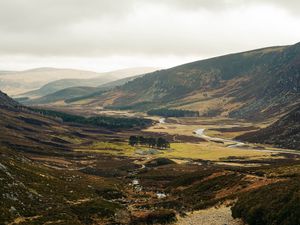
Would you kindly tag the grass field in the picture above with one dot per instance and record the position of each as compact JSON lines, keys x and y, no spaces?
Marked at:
{"x":210,"y":151}
{"x":116,"y":148}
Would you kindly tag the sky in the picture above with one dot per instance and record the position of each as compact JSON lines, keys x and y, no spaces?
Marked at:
{"x":103,"y":35}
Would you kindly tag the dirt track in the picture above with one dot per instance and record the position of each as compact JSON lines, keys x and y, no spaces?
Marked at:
{"x":211,"y":216}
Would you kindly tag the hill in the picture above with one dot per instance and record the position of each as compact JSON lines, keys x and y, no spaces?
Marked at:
{"x":49,"y":132}
{"x":25,"y":130}
{"x":97,"y":80}
{"x":73,"y":94}
{"x":252,"y":85}
{"x":48,"y":192}
{"x":284,"y":133}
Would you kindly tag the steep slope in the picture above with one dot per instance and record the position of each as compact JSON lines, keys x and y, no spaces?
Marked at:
{"x":14,"y":83}
{"x":284,"y":133}
{"x":7,"y":102}
{"x":251,"y":85}
{"x":100,"y":79}
{"x":25,"y":130}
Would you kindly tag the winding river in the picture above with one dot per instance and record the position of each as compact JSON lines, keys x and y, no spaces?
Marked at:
{"x":200,"y":133}
{"x":234,"y":143}
{"x":237,"y":144}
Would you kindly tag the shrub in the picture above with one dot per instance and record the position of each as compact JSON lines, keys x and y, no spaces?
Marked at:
{"x":277,"y":203}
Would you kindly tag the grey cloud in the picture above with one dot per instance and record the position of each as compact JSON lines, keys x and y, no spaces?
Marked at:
{"x":16,"y":15}
{"x":219,"y":5}
{"x":100,"y":27}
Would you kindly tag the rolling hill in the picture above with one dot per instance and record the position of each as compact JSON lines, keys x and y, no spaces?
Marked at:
{"x":99,"y":79}
{"x":250,"y":85}
{"x":14,"y":83}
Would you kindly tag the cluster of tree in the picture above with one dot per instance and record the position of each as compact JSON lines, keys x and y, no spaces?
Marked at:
{"x":100,"y":121}
{"x":149,"y":141}
{"x":173,"y":113}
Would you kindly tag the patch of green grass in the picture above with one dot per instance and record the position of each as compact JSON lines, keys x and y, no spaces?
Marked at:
{"x":209,"y":151}
{"x":114,"y":148}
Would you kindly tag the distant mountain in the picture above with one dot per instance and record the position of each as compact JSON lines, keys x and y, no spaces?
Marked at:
{"x":14,"y":83}
{"x":100,"y":79}
{"x":284,"y":133}
{"x":253,"y":85}
{"x":73,"y":94}
{"x":6,"y":72}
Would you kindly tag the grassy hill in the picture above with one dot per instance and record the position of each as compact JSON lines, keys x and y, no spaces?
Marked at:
{"x":253,"y":85}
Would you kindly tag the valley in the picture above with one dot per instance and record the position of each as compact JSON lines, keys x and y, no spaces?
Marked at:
{"x":138,"y":112}
{"x":178,"y":146}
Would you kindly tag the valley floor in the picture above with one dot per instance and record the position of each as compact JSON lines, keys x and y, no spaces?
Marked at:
{"x":138,"y":184}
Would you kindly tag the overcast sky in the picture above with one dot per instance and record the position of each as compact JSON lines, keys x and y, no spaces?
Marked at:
{"x":104,"y":35}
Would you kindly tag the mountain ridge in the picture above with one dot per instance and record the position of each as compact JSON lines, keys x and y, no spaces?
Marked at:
{"x":238,"y":85}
